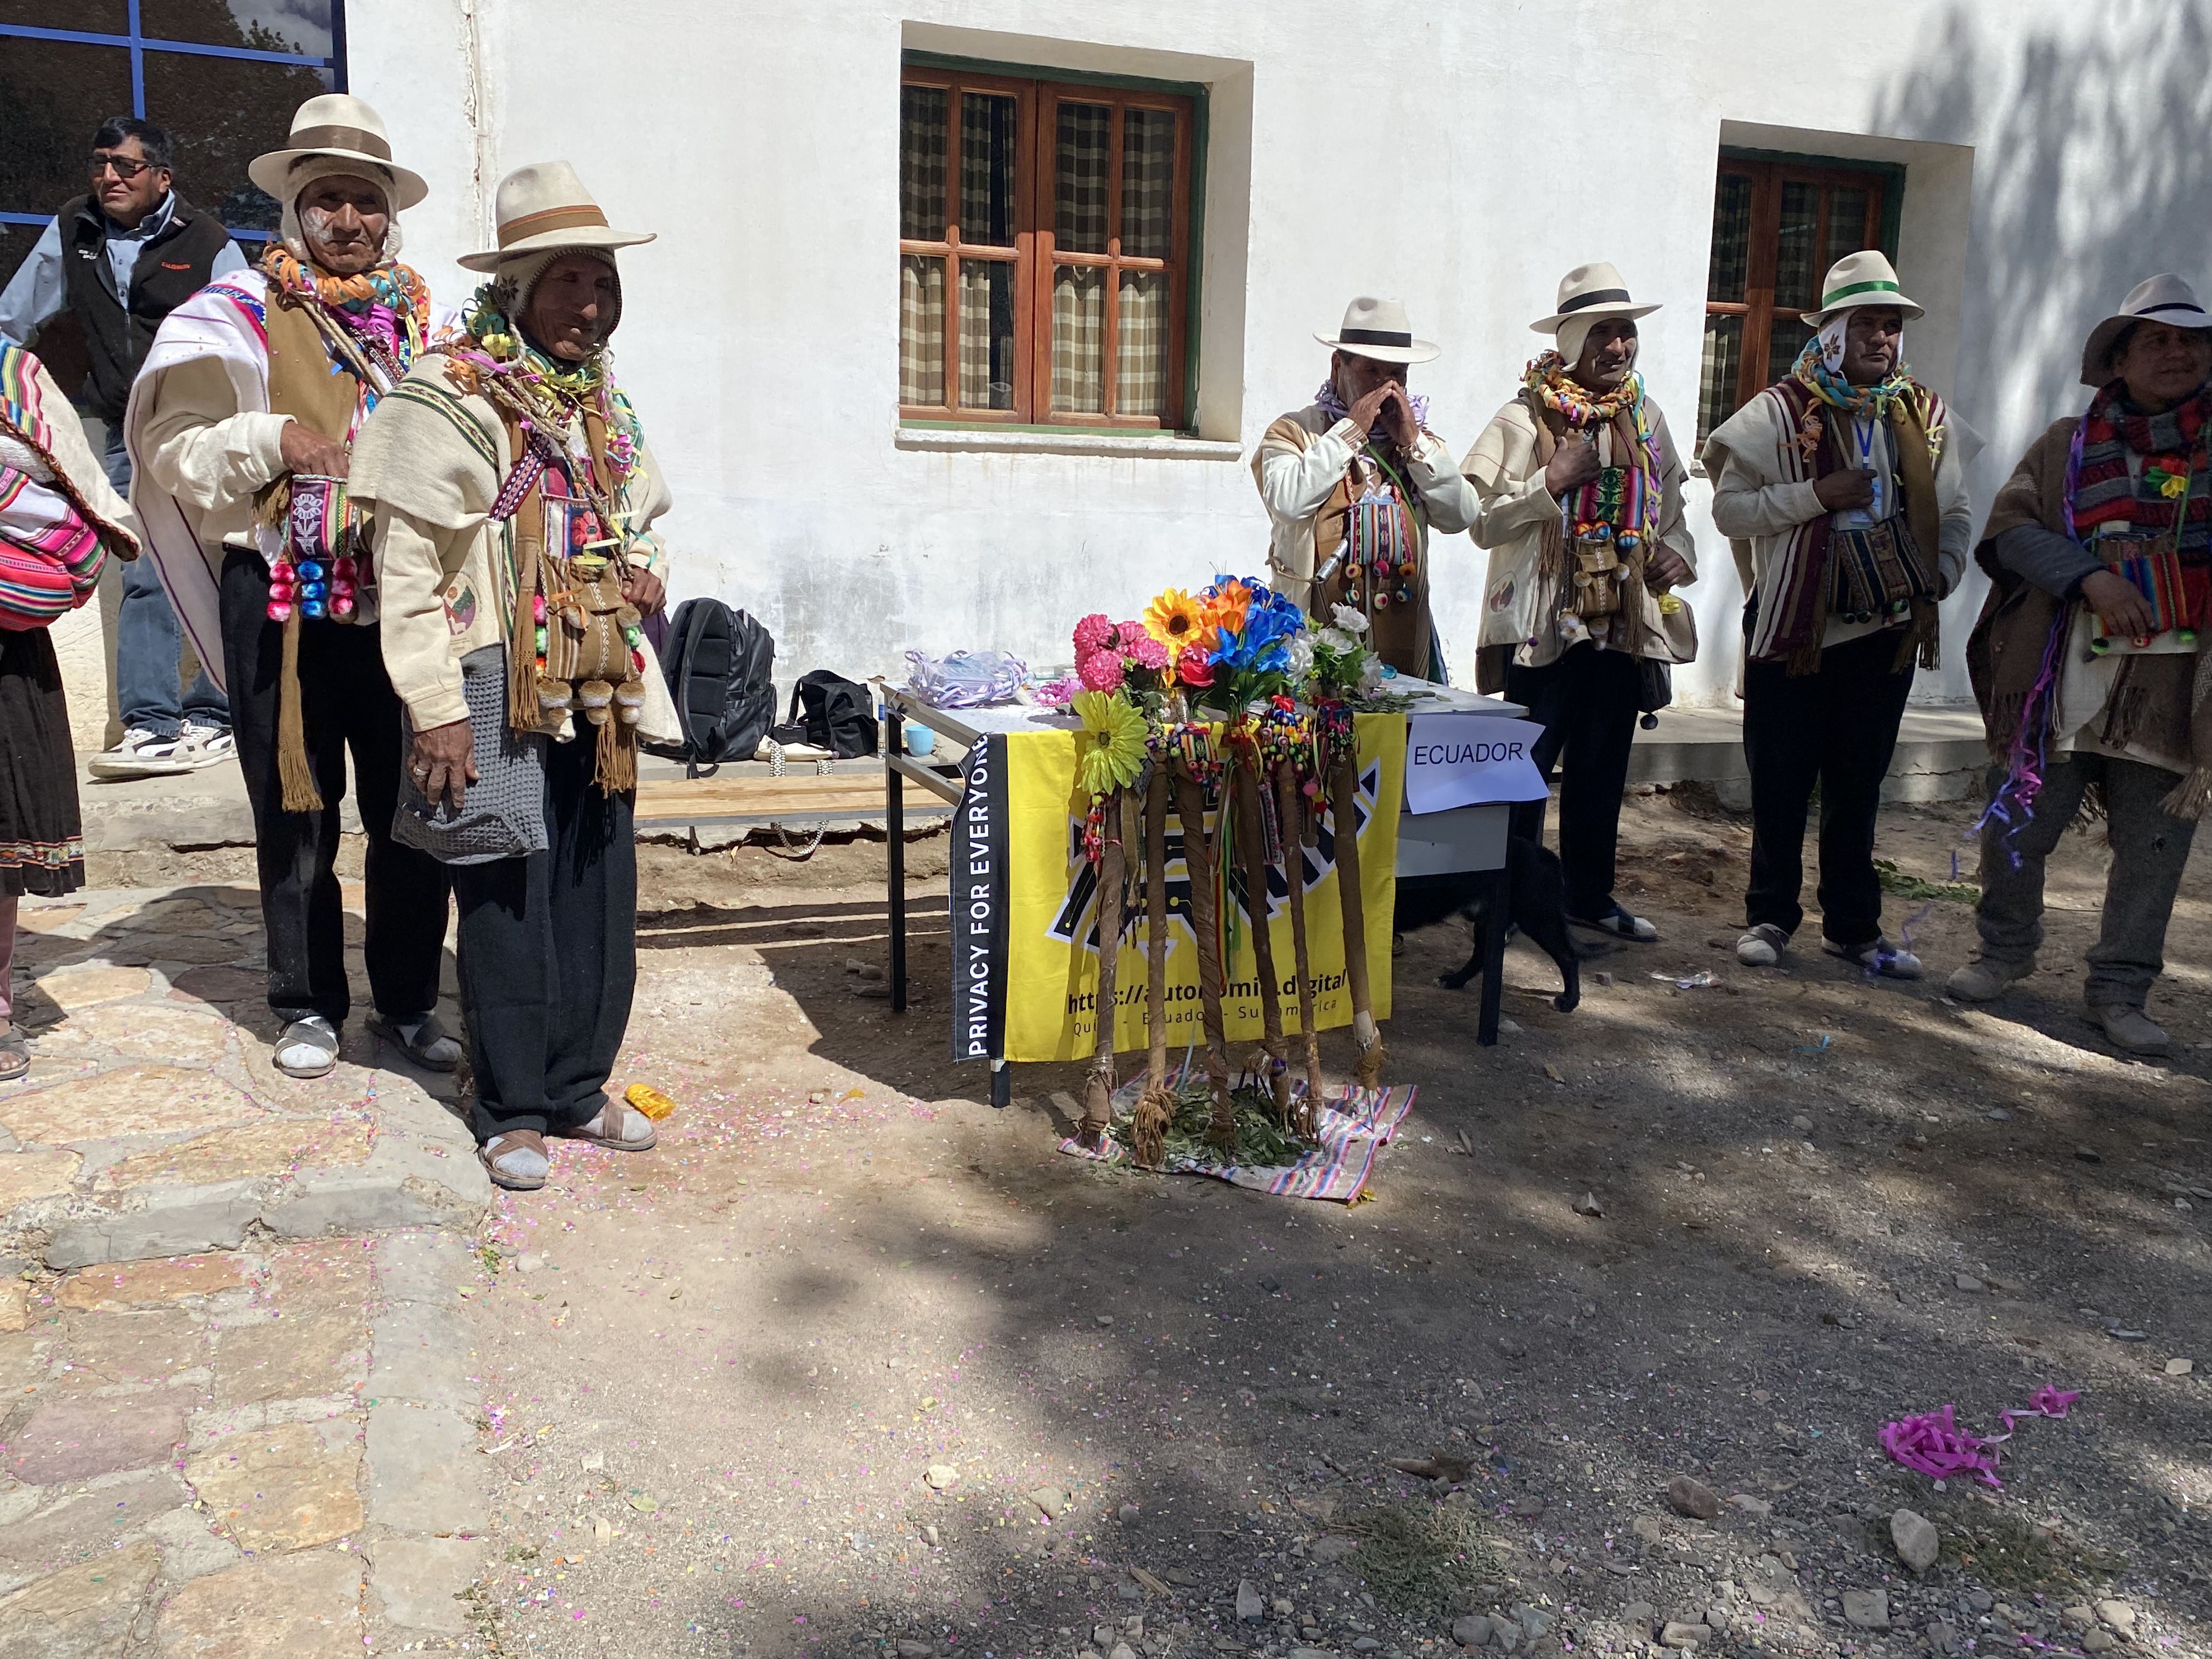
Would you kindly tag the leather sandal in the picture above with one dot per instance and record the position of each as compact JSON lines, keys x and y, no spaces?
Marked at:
{"x":15,"y":1053}
{"x":516,"y":1160}
{"x":421,"y":1039}
{"x":617,"y":1127}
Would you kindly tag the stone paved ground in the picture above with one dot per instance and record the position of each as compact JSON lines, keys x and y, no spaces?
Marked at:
{"x":234,"y":1386}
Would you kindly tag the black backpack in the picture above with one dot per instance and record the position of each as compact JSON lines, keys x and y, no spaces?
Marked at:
{"x":719,"y":665}
{"x":837,"y":715}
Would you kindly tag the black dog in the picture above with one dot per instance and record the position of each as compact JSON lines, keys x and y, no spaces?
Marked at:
{"x":1539,"y":888}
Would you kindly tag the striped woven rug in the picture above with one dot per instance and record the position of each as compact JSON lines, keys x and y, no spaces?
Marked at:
{"x":1354,"y":1127}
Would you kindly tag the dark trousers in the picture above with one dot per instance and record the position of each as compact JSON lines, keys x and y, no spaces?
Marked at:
{"x":1586,"y":702}
{"x":1836,"y":727}
{"x":549,"y":956}
{"x":346,"y":702}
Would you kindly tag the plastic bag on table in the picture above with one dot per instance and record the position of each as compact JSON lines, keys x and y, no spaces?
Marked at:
{"x":965,"y":678}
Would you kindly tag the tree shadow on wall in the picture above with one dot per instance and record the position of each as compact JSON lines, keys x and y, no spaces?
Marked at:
{"x":2091,"y":173}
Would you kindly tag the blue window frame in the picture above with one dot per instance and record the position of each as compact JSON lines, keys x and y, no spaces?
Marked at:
{"x":223,"y":75}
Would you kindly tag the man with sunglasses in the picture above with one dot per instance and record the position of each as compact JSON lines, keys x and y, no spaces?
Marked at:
{"x":119,"y":259}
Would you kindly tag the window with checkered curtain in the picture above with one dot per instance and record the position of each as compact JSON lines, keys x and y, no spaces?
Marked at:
{"x":1778,"y":226}
{"x":1043,"y":234}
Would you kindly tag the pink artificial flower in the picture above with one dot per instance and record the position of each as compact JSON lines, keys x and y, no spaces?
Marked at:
{"x":1101,"y":672}
{"x":1195,"y":671}
{"x":1145,"y":651}
{"x":1094,"y":632}
{"x":1058,"y":694}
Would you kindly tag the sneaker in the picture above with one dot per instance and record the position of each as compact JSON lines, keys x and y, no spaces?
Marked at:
{"x":199,"y":746}
{"x":1878,"y":956}
{"x":2129,"y":1028}
{"x":1761,"y":946}
{"x":1620,"y":924}
{"x":141,"y":754}
{"x":1984,"y":980}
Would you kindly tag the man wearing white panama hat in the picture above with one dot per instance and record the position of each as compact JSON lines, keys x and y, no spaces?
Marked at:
{"x":240,"y":430}
{"x":1354,"y":483}
{"x":514,"y":498}
{"x":1843,"y":491}
{"x":2086,"y":659}
{"x":1581,"y":509}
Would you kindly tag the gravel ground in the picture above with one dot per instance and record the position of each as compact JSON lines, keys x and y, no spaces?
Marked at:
{"x":852,"y":1364}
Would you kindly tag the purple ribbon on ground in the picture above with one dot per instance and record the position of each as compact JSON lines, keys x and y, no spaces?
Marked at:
{"x":1933,"y":1444}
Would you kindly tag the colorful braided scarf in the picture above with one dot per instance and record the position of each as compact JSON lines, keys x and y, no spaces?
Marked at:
{"x":383,"y":312}
{"x":1621,"y":504}
{"x":1832,"y":389}
{"x":1330,"y":405}
{"x":2173,"y":446}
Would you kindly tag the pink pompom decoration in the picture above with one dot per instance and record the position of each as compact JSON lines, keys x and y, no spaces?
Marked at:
{"x":538,"y":609}
{"x":1093,"y":634}
{"x":1101,"y":672}
{"x":279,"y":613}
{"x":1147,"y":652}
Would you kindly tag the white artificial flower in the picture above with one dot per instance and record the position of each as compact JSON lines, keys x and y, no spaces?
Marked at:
{"x":1370,"y":676}
{"x":1338,"y":641}
{"x":1348,"y":619}
{"x":1301,"y":656}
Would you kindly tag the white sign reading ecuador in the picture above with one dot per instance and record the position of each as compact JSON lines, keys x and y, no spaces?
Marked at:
{"x":1465,"y":760}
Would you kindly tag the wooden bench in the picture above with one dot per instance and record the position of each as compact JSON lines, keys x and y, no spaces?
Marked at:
{"x":797,"y":798}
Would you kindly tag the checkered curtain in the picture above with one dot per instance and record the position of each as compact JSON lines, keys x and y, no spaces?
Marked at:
{"x":1796,"y":282}
{"x":923,"y":132}
{"x":921,"y":330}
{"x":1147,"y":182}
{"x":1078,"y":340}
{"x":1140,"y":375}
{"x":987,"y":136}
{"x":1729,"y":266}
{"x":1080,"y":178}
{"x":1723,"y":361}
{"x":923,"y":137}
{"x":987,"y":334}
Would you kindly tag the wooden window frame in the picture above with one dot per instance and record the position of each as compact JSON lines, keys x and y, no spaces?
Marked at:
{"x":1757,"y":307}
{"x":1035,"y":257}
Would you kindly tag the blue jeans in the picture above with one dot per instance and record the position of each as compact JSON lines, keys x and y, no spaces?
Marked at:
{"x":148,"y":640}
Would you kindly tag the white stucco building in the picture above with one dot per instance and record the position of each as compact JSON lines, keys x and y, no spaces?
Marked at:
{"x":2025,"y":161}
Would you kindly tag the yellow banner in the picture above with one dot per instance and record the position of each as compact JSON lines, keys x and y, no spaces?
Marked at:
{"x":1051,"y":979}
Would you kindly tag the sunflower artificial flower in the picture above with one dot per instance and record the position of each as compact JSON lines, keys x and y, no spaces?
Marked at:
{"x":1177,"y":621}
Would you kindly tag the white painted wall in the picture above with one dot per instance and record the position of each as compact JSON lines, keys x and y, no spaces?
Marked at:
{"x":1460,"y":154}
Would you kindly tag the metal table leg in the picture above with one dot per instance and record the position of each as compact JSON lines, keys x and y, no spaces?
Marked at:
{"x":895,"y":832}
{"x":1494,"y":958}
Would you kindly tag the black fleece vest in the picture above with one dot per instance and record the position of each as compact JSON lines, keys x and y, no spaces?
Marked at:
{"x":173,"y":266}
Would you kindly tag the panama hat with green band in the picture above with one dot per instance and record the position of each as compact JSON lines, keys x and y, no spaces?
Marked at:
{"x":1862,"y":279}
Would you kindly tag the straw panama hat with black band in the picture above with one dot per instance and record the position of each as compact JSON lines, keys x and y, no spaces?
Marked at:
{"x":1588,"y":293}
{"x":1379,"y":329}
{"x":545,"y":206}
{"x":1864,"y":278}
{"x":343,"y":128}
{"x":2162,"y":299}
